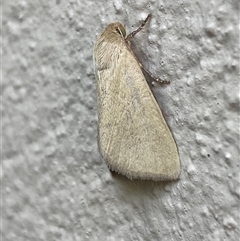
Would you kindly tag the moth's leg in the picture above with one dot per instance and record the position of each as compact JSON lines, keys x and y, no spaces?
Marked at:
{"x":154,"y":77}
{"x":132,"y":34}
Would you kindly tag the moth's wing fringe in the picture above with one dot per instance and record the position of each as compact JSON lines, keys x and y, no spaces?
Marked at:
{"x":136,"y":176}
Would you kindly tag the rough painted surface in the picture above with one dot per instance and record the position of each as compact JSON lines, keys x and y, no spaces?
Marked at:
{"x":54,"y":184}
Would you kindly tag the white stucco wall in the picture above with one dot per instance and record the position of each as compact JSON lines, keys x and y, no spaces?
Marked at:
{"x":54,"y":184}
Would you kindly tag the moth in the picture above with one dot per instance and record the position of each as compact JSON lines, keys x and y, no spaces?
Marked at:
{"x":133,"y":137}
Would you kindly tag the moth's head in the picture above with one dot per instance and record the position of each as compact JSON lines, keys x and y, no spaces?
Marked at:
{"x":116,"y":28}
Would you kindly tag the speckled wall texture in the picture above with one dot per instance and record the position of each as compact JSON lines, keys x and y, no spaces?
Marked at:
{"x":55,"y":185}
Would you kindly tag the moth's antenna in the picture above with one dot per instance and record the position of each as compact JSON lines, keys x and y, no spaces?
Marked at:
{"x":132,"y":34}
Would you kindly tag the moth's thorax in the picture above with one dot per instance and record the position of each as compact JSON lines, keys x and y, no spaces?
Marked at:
{"x":109,"y":45}
{"x":116,"y":28}
{"x":113,"y":33}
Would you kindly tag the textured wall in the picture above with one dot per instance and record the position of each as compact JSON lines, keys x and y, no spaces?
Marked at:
{"x":54,"y":184}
